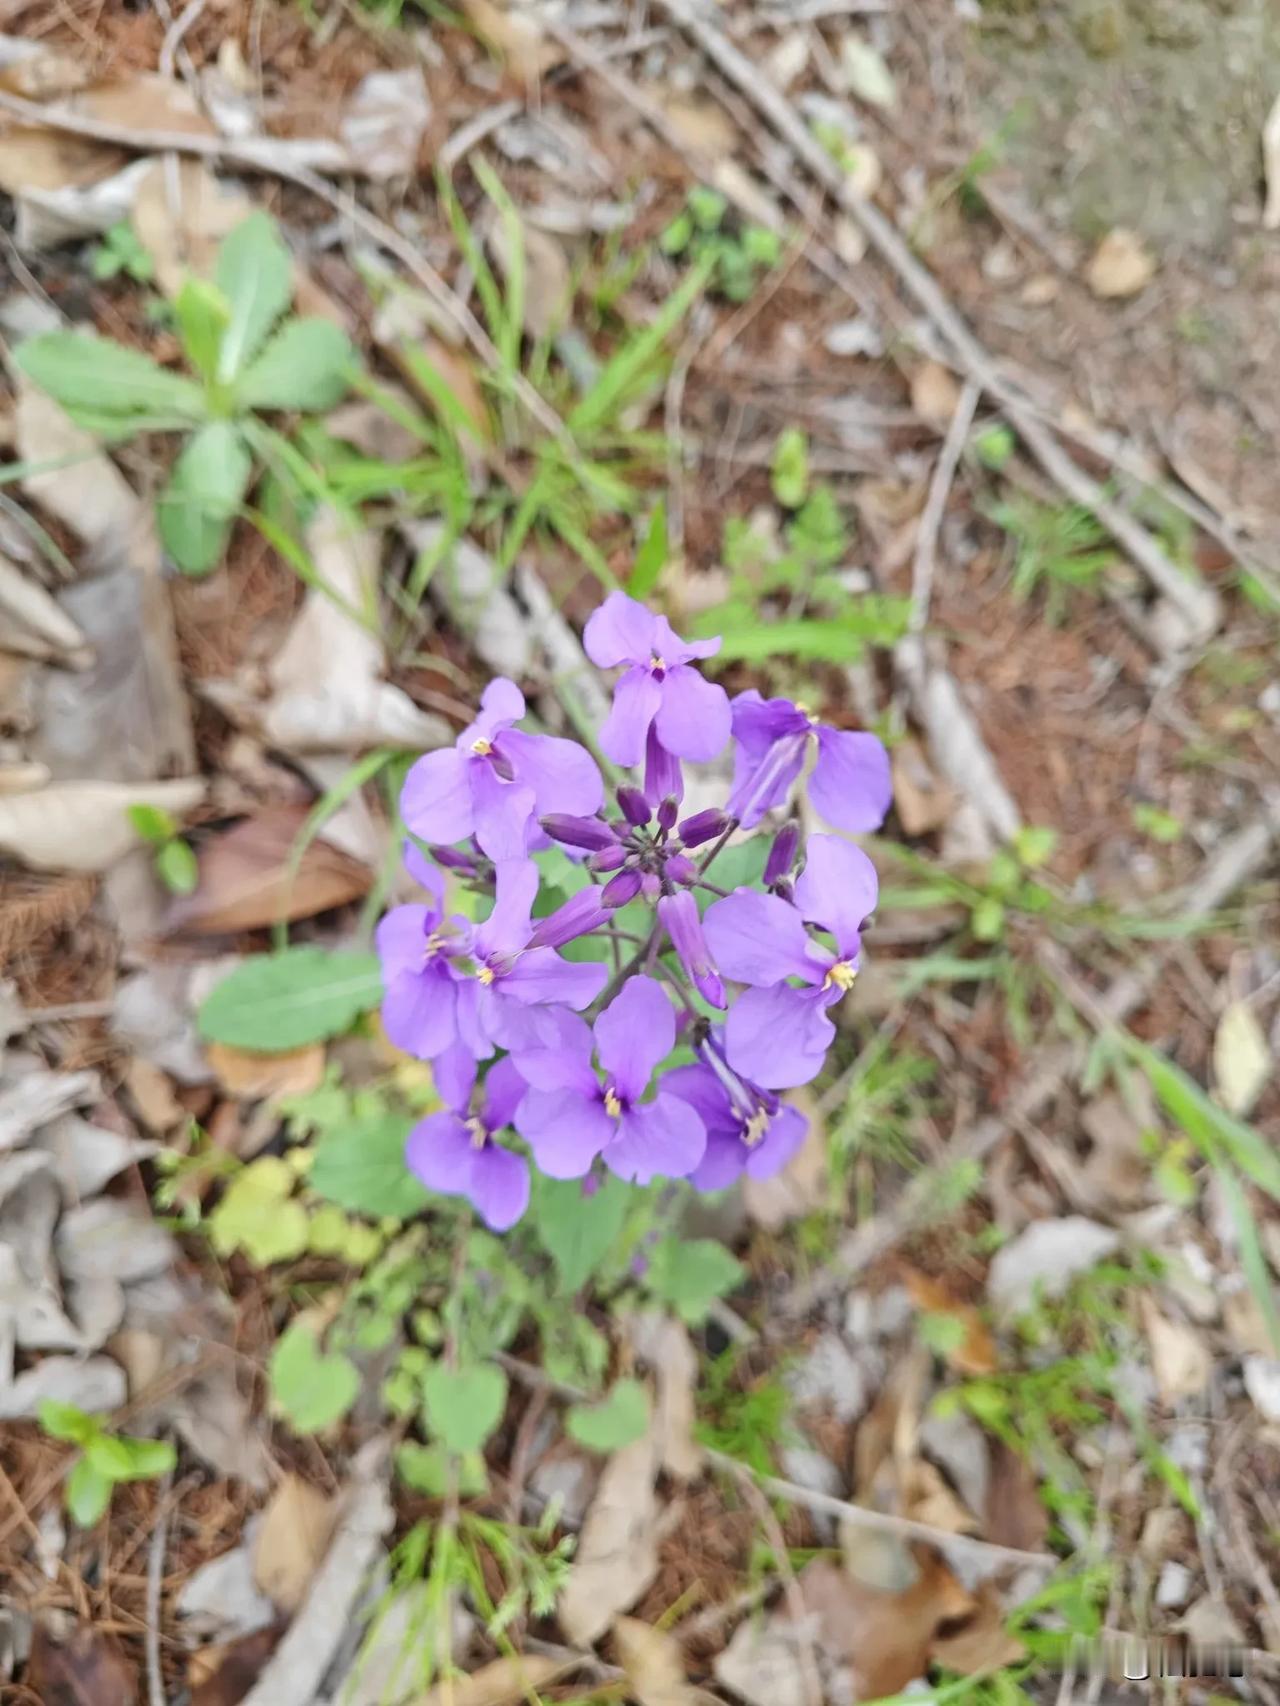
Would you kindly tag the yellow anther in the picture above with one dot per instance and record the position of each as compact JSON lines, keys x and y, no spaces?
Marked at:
{"x":485,"y":974}
{"x":755,"y":1128}
{"x":482,"y":747}
{"x":655,"y":662}
{"x":477,"y":1133}
{"x":612,"y":1106}
{"x":840,"y":976}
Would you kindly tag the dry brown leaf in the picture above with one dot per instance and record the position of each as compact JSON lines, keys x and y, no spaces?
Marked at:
{"x":248,"y":880}
{"x":296,"y":1529}
{"x":183,"y":237}
{"x":516,"y":36}
{"x":617,"y":1554}
{"x":662,"y":1342}
{"x":27,"y":610}
{"x":151,"y":1091}
{"x":501,"y":1683}
{"x":87,"y":1669}
{"x":654,"y":1663}
{"x":458,"y":375}
{"x":703,"y":126}
{"x":249,"y":1076}
{"x":34,"y":159}
{"x":369,"y":428}
{"x":922,"y":800}
{"x":223,"y":1674}
{"x":1246,"y":1323}
{"x":547,"y":279}
{"x":1180,"y":1359}
{"x":1120,"y":266}
{"x":83,"y":826}
{"x":883,"y":1638}
{"x":982,"y":1643}
{"x":1015,"y":1513}
{"x":976,"y":1351}
{"x":926,"y":1496}
{"x":43,"y":75}
{"x":89,"y":494}
{"x":935,"y":393}
{"x":146,"y":101}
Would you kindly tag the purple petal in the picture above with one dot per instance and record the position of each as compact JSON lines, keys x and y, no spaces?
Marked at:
{"x":507,"y":928}
{"x":439,"y":1151}
{"x":499,"y":1186}
{"x":503,"y":812}
{"x":540,"y":976}
{"x":723,"y":1162}
{"x":435,"y":801}
{"x":620,"y":631}
{"x":674,"y":651}
{"x":662,"y":775}
{"x":759,"y":939}
{"x":512,"y":1023}
{"x":783,"y":1139}
{"x":579,"y":914}
{"x":778,"y":1037}
{"x":501,"y":704}
{"x":636,"y":1030}
{"x":474,"y":1016}
{"x":418,"y":1011}
{"x":851,"y":785}
{"x":661,"y":1139}
{"x":679,"y":913}
{"x":762,"y":787}
{"x":758,"y":723}
{"x":837,"y":889}
{"x":694,"y":720}
{"x":562,"y":1058}
{"x":504,"y":1089}
{"x":706,"y":1095}
{"x":635,"y":704}
{"x":563,"y":775}
{"x":454,"y":1073}
{"x":425,"y":872}
{"x":565,"y":1129}
{"x":401,"y":939}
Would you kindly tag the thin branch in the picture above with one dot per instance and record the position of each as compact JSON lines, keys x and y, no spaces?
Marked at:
{"x":944,"y":474}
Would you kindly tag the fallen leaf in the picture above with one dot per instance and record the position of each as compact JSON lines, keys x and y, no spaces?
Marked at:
{"x":222,"y":1675}
{"x":1015,"y":1514}
{"x":384,"y":122}
{"x":1262,"y":1383}
{"x":1120,"y":266}
{"x":516,"y":35}
{"x":866,"y":74}
{"x":502,"y":1683}
{"x":84,"y":826}
{"x":26,"y":609}
{"x":86,"y":1156}
{"x":93,"y":1384}
{"x":617,"y":1553}
{"x":370,"y":429}
{"x":152,"y":1094}
{"x":458,"y":375}
{"x":249,"y":878}
{"x":882,"y":1639}
{"x":763,"y":1663}
{"x":935,"y":393}
{"x":922,"y":800}
{"x":112,"y":1239}
{"x":1117,"y":1169}
{"x":801,"y":1186}
{"x":222,"y":1600}
{"x":1180,"y":1359}
{"x":547,"y":279}
{"x":974,"y":1352}
{"x":654,"y":1664}
{"x":84,"y":490}
{"x":1043,"y":1260}
{"x":182,"y":236}
{"x":472,"y":588}
{"x":1271,"y":166}
{"x":296,"y":1529}
{"x":663,"y":1342}
{"x":34,"y":1098}
{"x":981,"y":1643}
{"x":249,"y":1076}
{"x":926,"y":1497}
{"x":1241,"y":1059}
{"x":87,"y":1669}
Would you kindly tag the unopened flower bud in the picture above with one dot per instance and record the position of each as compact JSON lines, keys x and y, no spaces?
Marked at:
{"x":650,"y":885}
{"x":681,"y":870}
{"x":667,"y":812}
{"x":608,"y":858}
{"x":580,"y":913}
{"x":635,"y":808}
{"x":622,"y":888}
{"x":586,"y":832}
{"x":452,"y":860}
{"x":782,"y":855}
{"x":703,"y":826}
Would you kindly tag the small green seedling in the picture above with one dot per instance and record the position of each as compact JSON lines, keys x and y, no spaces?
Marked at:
{"x":1060,"y":549}
{"x":1157,"y":823}
{"x":105,"y":1459}
{"x":247,"y":355}
{"x":175,"y":863}
{"x":121,"y":252}
{"x":705,"y":230}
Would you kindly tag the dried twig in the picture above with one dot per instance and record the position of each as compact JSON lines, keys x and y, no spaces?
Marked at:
{"x":155,"y":1576}
{"x":944,"y":473}
{"x":811,"y":1676}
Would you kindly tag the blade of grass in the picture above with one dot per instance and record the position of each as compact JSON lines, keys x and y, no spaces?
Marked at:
{"x":637,"y":354}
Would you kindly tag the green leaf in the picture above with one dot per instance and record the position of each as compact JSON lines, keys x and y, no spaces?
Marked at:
{"x":636,"y":358}
{"x":426,"y":1468}
{"x":87,"y":1494}
{"x":464,"y":1405}
{"x":739,"y":865}
{"x":361,"y":1167}
{"x":176,"y":868}
{"x":87,"y":373}
{"x":651,"y":558}
{"x":987,"y":919}
{"x":202,"y":313}
{"x":307,"y":365}
{"x":152,"y":823}
{"x":578,"y":1231}
{"x":845,"y":639}
{"x":790,"y":472}
{"x":1217,"y":1134}
{"x":311,"y":1389}
{"x":65,"y":1421}
{"x":255,"y":274}
{"x":203,"y":497}
{"x":109,"y":1457}
{"x":621,"y":1418}
{"x":257,"y":1214}
{"x":147,"y":1458}
{"x":275,"y":1002}
{"x":690,"y":1274}
{"x":995,"y":446}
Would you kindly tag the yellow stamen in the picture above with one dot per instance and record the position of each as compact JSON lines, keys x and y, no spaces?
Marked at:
{"x":840,"y":976}
{"x":655,"y":662}
{"x":482,"y":747}
{"x":478,"y":1134}
{"x":755,"y":1128}
{"x":485,"y":974}
{"x":612,"y":1106}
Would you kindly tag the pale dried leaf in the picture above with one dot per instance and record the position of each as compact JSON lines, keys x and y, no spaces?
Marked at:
{"x":384,"y":122}
{"x":1262,"y":1383}
{"x":703,"y":126}
{"x":1121,"y":266}
{"x":152,"y":1095}
{"x":31,"y":1099}
{"x":1241,"y":1059}
{"x":182,"y":237}
{"x":1271,"y":167}
{"x":762,"y":1663}
{"x":922,"y":800}
{"x":617,"y":1554}
{"x":662,"y":1342}
{"x":273,"y":1076}
{"x":935,"y":393}
{"x":370,"y":429}
{"x":547,"y":279}
{"x":85,"y":1156}
{"x":47,"y":218}
{"x":502,"y":1683}
{"x":867,"y":75}
{"x":221,"y":1600}
{"x":654,"y":1664}
{"x":26,"y":602}
{"x":515,"y":33}
{"x":297,"y":1526}
{"x":111,"y":1239}
{"x":250,"y":878}
{"x":88,"y":494}
{"x":83,"y":826}
{"x":1044,"y":1259}
{"x":92,"y":1384}
{"x":1180,"y":1359}
{"x":472,"y":588}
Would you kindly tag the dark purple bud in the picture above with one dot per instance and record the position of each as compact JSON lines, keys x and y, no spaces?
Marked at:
{"x":635,"y":808}
{"x":608,"y":858}
{"x":782,"y":855}
{"x":582,"y":912}
{"x":703,"y":826}
{"x":651,"y":885}
{"x":639,"y":1267}
{"x":667,"y":812}
{"x":784,"y":888}
{"x":452,"y":860}
{"x":586,"y":832}
{"x":680,"y":870}
{"x":591,"y":1183}
{"x":622,"y":888}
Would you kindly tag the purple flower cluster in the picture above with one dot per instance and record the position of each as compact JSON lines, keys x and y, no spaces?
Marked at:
{"x":664,"y":1060}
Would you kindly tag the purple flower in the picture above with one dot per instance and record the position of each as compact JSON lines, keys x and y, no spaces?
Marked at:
{"x":659,"y":694}
{"x":456,"y":1152}
{"x":776,"y":1032}
{"x":679,"y":915}
{"x":496,"y":778}
{"x":570,"y":1116}
{"x":850,"y":785}
{"x":508,"y":976}
{"x":420,"y":950}
{"x":645,"y":856}
{"x":749,"y":1130}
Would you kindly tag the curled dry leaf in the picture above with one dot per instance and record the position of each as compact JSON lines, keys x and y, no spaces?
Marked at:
{"x":879,"y":1641}
{"x":87,"y":1668}
{"x":33,"y":622}
{"x":654,"y":1664}
{"x":249,"y":878}
{"x":617,"y":1555}
{"x":1121,"y":266}
{"x":513,"y":31}
{"x":88,"y":493}
{"x":271,"y":1076}
{"x":297,"y":1527}
{"x":1241,"y":1059}
{"x":662,"y":1342}
{"x":935,"y":393}
{"x":974,"y":1351}
{"x":1180,"y":1359}
{"x":84,"y":826}
{"x":384,"y":123}
{"x":502,"y":1683}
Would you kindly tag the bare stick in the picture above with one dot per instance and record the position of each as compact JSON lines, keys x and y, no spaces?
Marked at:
{"x":155,"y":1576}
{"x":1198,"y":604}
{"x":944,"y":474}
